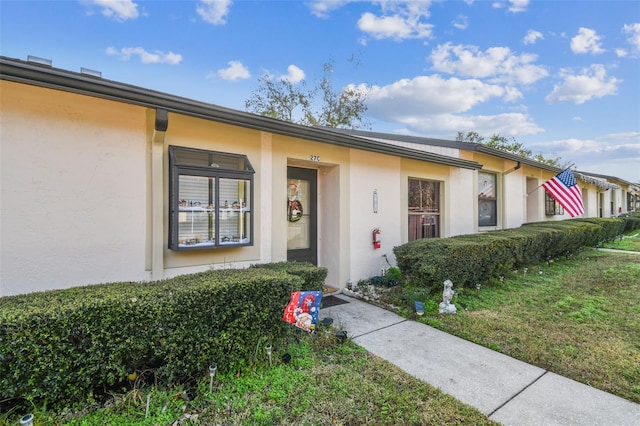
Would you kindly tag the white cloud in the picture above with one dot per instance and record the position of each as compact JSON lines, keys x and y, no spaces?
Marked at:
{"x":235,"y":71}
{"x":634,"y":34}
{"x":587,"y":41}
{"x":294,"y":75}
{"x":518,"y":5}
{"x":515,"y":6}
{"x":156,"y":57}
{"x":496,"y":62}
{"x":621,"y":53}
{"x":438,"y":107}
{"x":118,"y":10}
{"x":616,"y":154}
{"x":394,"y":27}
{"x":399,"y":20}
{"x":461,"y":22}
{"x":322,"y":8}
{"x":508,"y":124}
{"x":532,"y":37}
{"x":512,"y":94}
{"x":214,"y":11}
{"x":427,"y":95}
{"x":591,"y":83}
{"x":446,"y":126}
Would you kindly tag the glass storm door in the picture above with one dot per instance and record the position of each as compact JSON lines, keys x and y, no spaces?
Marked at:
{"x":302,"y":200}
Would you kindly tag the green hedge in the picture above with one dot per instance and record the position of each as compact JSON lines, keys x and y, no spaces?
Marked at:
{"x":313,"y":276}
{"x":632,"y":221}
{"x":61,"y":347}
{"x":469,"y":260}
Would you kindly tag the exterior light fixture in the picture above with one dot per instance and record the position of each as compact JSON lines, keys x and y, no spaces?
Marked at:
{"x":212,"y":373}
{"x":27,"y":420}
{"x":146,"y":411}
{"x":269,"y":350}
{"x":327,"y":321}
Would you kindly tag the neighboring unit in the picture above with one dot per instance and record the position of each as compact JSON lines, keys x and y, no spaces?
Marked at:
{"x":103,"y":181}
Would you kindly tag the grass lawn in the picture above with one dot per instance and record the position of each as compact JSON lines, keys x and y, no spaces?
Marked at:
{"x":630,"y":242}
{"x":325,"y":383}
{"x":579,"y":318}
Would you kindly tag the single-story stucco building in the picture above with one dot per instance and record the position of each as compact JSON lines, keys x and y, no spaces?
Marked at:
{"x":103,"y":181}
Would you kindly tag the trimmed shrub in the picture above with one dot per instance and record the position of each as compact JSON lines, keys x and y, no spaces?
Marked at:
{"x":313,"y":276}
{"x":469,"y":260}
{"x":63,"y":346}
{"x":632,"y":221}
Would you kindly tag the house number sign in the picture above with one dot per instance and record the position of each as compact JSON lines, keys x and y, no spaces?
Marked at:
{"x":315,"y":158}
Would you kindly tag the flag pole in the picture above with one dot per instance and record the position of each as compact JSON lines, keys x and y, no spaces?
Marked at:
{"x":538,"y":187}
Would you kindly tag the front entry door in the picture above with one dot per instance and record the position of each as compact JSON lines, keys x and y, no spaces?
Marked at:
{"x":302,"y":206}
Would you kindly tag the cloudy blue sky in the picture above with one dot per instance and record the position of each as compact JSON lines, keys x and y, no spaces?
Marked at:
{"x":563,"y":77}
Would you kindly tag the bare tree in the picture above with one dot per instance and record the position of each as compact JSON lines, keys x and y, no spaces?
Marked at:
{"x":321,"y":105}
{"x":508,"y":145}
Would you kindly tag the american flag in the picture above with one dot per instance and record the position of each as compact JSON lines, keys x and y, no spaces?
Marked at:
{"x":565,"y":190}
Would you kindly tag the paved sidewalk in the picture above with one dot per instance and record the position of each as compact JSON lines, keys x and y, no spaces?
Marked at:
{"x":619,"y":251}
{"x":509,"y":391}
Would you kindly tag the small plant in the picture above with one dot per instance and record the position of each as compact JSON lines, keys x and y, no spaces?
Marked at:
{"x":395,"y":273}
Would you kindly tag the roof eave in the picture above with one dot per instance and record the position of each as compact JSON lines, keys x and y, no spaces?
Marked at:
{"x":55,"y":78}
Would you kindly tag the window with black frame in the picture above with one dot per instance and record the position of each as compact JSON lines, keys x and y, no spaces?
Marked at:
{"x":551,"y":206}
{"x":487,"y":201}
{"x":211,"y":199}
{"x":424,"y":209}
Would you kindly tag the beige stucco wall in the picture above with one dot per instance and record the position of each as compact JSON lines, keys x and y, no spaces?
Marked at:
{"x":381,"y":173}
{"x":461,"y":195}
{"x":514,"y":207}
{"x":607,"y":197}
{"x":208,"y":135}
{"x":590,"y":200}
{"x":84,"y":186}
{"x":73,"y":190}
{"x":332,"y":164}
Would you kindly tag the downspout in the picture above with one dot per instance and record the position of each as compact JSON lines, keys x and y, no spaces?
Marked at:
{"x":157,"y":193}
{"x":504,"y":192}
{"x":513,"y":169}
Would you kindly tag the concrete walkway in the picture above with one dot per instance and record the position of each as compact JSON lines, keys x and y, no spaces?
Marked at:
{"x":619,"y":251}
{"x":508,"y":391}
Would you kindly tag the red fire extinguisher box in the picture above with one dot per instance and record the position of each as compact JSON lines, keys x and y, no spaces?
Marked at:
{"x":376,"y":238}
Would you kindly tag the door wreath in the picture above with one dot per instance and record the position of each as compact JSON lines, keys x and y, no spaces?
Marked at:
{"x":294,"y":206}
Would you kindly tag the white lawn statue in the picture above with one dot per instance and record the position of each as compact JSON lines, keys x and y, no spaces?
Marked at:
{"x":446,"y":307}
